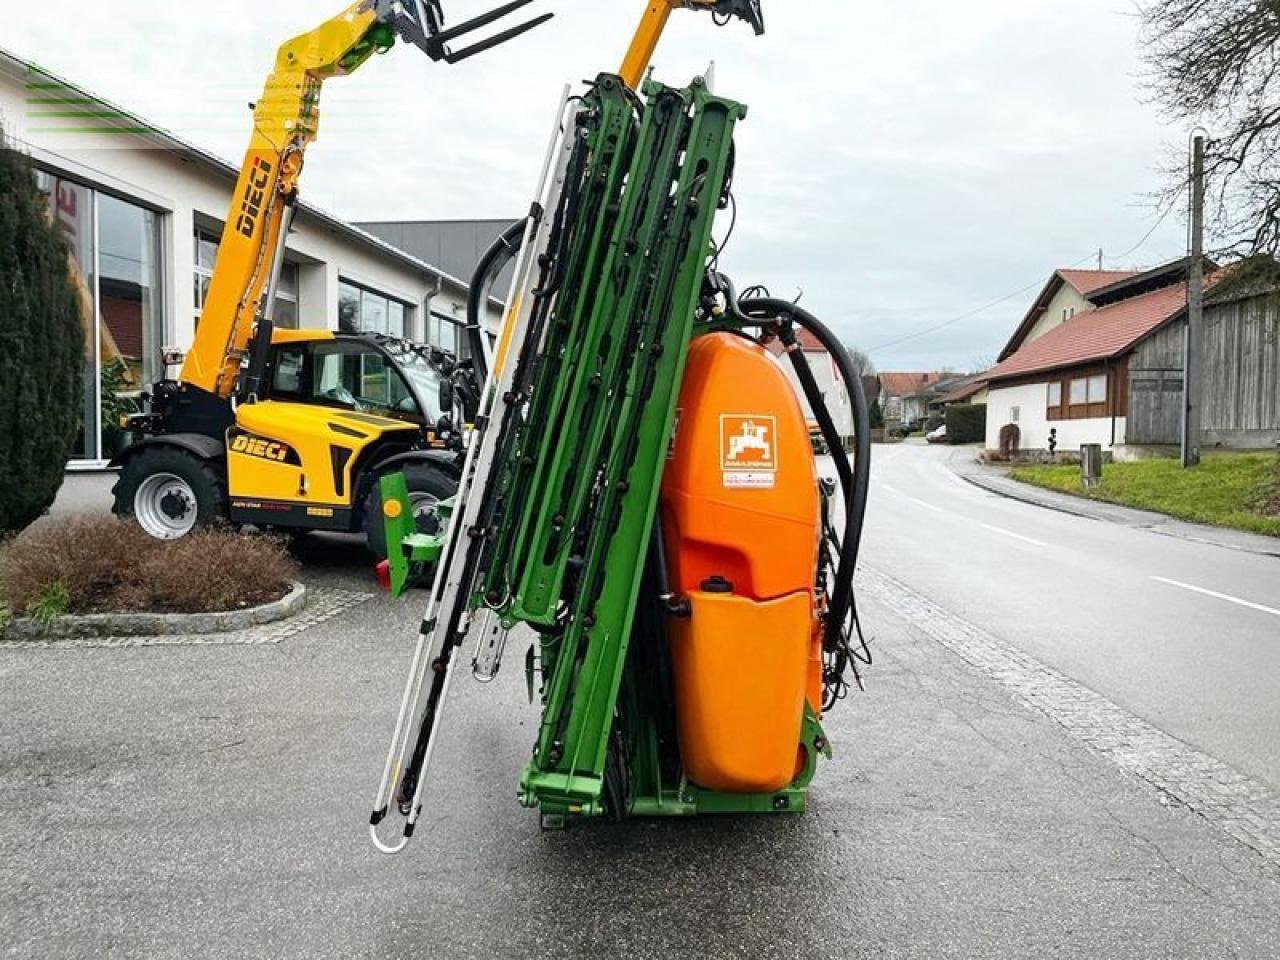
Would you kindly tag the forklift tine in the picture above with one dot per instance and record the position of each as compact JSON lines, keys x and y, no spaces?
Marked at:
{"x":475,"y":23}
{"x":496,"y":39}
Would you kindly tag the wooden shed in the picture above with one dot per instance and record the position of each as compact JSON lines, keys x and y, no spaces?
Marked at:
{"x":1241,"y":374}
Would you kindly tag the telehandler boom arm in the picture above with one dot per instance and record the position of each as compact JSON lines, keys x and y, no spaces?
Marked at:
{"x":285,"y":122}
{"x":654,"y":22}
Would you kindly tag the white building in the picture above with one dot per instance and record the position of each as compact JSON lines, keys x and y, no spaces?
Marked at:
{"x":143,"y":211}
{"x":835,"y":393}
{"x":1063,"y":379}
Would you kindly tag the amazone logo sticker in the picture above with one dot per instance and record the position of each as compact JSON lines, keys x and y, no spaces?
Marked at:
{"x":748,"y":450}
{"x":263,"y":449}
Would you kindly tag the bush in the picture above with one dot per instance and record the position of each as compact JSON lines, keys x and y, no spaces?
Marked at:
{"x":967,"y":423}
{"x":103,"y":565}
{"x":41,"y":348}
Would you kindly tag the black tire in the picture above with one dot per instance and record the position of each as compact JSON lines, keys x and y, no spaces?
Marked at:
{"x":424,"y":480}
{"x":200,"y":484}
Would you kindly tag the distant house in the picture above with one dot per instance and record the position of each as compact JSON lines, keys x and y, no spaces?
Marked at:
{"x":906,"y":396}
{"x":1111,"y":371}
{"x":969,"y":390}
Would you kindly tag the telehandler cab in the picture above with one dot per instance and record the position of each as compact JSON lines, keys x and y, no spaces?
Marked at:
{"x":293,"y":428}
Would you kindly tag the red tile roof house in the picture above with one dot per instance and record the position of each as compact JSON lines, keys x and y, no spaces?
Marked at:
{"x":1099,"y":359}
{"x":906,"y":396}
{"x":1066,"y":368}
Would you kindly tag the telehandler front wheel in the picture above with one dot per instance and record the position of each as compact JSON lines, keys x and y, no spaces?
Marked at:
{"x":428,"y":485}
{"x":169,"y":492}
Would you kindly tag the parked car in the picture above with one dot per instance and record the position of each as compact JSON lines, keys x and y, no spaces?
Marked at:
{"x":938,"y":435}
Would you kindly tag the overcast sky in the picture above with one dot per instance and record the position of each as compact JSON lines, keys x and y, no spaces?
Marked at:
{"x":904,"y":163}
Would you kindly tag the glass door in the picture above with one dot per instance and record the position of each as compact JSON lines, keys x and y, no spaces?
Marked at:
{"x":114,"y":251}
{"x":71,"y":205}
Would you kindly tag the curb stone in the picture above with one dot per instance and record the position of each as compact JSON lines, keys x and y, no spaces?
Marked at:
{"x":159,"y":624}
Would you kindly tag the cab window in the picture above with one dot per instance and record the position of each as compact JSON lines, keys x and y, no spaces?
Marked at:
{"x":288,"y":371}
{"x":358,"y":378}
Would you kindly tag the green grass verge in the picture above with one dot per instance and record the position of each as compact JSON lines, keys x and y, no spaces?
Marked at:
{"x":1239,"y":490}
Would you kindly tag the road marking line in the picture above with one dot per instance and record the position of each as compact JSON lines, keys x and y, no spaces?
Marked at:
{"x":927,"y":506}
{"x":1219,"y":596}
{"x":906,"y":496}
{"x":1010,"y":533}
{"x":960,"y":516}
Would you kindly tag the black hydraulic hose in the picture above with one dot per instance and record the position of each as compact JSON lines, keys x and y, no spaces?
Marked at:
{"x":809,"y":384}
{"x":765,"y":309}
{"x":501,"y":252}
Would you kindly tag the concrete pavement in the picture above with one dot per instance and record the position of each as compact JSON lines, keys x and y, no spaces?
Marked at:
{"x":211,"y":801}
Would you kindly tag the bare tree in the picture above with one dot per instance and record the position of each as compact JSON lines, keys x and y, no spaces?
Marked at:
{"x":862,"y":363}
{"x":1217,"y":63}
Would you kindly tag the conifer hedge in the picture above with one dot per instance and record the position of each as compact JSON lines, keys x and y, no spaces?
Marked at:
{"x":41,"y":348}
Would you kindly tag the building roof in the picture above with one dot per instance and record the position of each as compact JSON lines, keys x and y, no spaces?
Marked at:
{"x":908,"y":384}
{"x":455,"y":246}
{"x":1084,"y":282}
{"x":118,"y":119}
{"x":1087,"y":281}
{"x":1100,"y":334}
{"x":965,"y":389}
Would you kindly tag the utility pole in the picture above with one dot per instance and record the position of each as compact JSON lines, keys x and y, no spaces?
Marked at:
{"x":1193,"y":352}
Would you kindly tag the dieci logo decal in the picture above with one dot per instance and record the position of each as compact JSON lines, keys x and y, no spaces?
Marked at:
{"x":263,"y":449}
{"x":255,"y":191}
{"x":749,"y":450}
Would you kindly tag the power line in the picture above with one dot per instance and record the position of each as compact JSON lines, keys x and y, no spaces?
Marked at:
{"x":972,"y":313}
{"x":1138,"y":246}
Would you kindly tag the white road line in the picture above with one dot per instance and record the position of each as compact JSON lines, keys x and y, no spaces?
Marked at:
{"x":1219,"y":596}
{"x":960,"y":516}
{"x":927,"y":506}
{"x":1010,"y":533}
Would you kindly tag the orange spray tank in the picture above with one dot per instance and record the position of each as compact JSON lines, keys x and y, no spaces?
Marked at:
{"x":741,"y":518}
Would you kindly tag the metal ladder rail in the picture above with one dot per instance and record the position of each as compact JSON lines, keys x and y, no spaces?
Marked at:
{"x":445,"y":593}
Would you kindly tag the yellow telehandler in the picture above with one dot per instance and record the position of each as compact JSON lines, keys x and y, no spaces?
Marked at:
{"x":293,"y":428}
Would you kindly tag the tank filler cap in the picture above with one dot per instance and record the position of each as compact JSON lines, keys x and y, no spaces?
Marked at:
{"x":717,"y":584}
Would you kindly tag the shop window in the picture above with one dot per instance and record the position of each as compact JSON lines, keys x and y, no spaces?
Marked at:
{"x":115,"y":259}
{"x":361,"y":310}
{"x":447,"y":334}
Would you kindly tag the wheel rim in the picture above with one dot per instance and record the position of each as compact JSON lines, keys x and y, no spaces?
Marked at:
{"x":423,"y":507}
{"x":165,"y":506}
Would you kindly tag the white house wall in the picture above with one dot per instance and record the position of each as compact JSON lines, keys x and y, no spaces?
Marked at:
{"x":1031,"y":401}
{"x":186,"y":193}
{"x":830,"y":384}
{"x":1066,"y":301}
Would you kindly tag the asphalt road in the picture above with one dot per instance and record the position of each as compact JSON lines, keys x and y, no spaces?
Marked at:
{"x":1122,"y":610}
{"x":197,"y":801}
